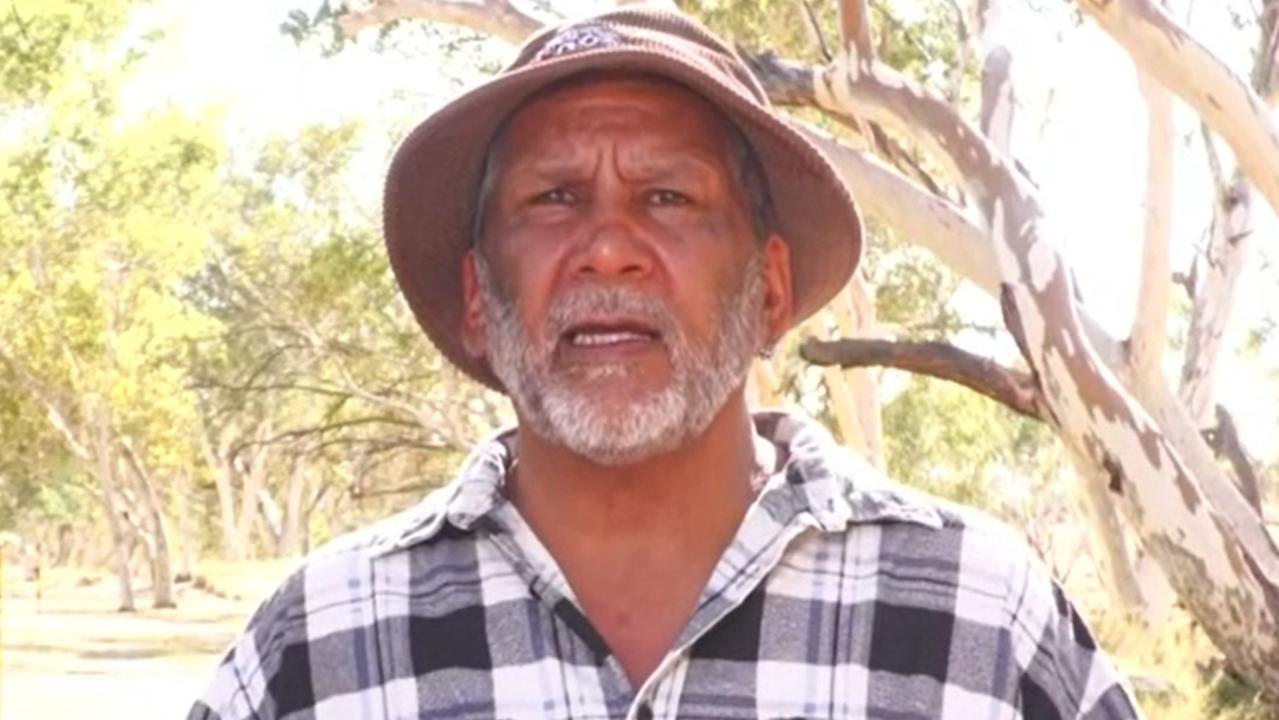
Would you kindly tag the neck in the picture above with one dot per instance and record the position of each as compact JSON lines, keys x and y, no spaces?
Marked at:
{"x":690,"y":496}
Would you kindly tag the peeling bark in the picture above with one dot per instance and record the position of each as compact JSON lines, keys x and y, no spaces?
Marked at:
{"x":1224,"y":440}
{"x":1218,"y":273}
{"x":1214,"y":282}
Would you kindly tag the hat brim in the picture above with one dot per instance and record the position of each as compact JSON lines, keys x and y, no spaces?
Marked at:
{"x":434,"y":178}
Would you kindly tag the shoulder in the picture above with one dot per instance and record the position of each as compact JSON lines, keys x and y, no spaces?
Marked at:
{"x":975,"y":577}
{"x":930,"y":545}
{"x":268,"y":672}
{"x":338,"y":572}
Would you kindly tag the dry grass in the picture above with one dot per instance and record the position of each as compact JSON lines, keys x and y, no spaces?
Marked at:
{"x":70,"y":654}
{"x":1177,"y":672}
{"x":254,"y":580}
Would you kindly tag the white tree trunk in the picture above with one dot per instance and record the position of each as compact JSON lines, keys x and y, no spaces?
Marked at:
{"x":295,"y":511}
{"x":1217,"y":277}
{"x":1150,"y":328}
{"x":253,"y":475}
{"x":860,"y":320}
{"x":498,"y":18}
{"x":105,"y":470}
{"x":216,"y":456}
{"x":161,"y":559}
{"x":1149,"y":336}
{"x":186,"y":538}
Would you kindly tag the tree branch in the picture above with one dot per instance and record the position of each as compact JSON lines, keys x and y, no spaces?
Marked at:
{"x":1219,"y":267}
{"x":499,"y":18}
{"x":998,"y":102}
{"x":1150,"y":327}
{"x":815,"y":30}
{"x":1159,"y":44}
{"x":935,"y":224}
{"x":1207,"y":520}
{"x":53,"y":410}
{"x":1015,"y":390}
{"x":854,"y":23}
{"x":298,"y":433}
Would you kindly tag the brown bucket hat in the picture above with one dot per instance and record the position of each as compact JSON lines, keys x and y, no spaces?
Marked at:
{"x":434,"y":178}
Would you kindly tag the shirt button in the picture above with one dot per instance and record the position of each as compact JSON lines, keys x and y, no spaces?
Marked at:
{"x":644,"y":712}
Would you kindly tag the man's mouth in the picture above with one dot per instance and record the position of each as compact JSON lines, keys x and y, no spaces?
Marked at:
{"x":610,"y":334}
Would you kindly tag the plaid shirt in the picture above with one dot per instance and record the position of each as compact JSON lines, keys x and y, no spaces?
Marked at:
{"x":842,"y":596}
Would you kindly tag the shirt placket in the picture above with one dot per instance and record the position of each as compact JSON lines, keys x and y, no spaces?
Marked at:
{"x":770,"y":525}
{"x":592,"y":693}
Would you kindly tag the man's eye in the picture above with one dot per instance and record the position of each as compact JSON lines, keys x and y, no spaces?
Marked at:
{"x":664,"y":196}
{"x":556,"y":196}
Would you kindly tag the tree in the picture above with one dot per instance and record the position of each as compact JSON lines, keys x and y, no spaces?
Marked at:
{"x":1126,"y":431}
{"x":318,"y":376}
{"x":95,"y":230}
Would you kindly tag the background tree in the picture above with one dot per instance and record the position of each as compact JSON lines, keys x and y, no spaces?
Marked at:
{"x":95,"y":230}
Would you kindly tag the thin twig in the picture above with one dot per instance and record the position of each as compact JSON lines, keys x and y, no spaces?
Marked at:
{"x":815,"y":30}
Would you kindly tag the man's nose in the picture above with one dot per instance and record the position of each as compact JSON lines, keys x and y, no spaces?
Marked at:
{"x":613,"y":244}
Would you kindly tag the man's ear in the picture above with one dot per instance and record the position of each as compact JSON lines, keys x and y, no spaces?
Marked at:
{"x":778,"y":293}
{"x":474,"y":331}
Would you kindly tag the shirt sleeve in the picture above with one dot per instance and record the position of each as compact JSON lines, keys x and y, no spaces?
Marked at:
{"x":1064,"y":675}
{"x":244,"y":685}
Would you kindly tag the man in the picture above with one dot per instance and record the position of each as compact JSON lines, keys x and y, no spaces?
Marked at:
{"x":608,"y":232}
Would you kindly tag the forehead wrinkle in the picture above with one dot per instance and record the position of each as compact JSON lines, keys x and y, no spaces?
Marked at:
{"x":578,"y":144}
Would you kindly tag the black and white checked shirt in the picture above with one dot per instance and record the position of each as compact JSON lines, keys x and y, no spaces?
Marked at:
{"x":842,"y":596}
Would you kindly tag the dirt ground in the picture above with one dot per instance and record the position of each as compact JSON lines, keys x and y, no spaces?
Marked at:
{"x":71,"y":655}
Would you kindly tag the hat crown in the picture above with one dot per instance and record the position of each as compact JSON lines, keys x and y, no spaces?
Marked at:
{"x":648,"y":28}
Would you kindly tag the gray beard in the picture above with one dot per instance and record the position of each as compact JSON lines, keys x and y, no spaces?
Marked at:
{"x":561,"y":409}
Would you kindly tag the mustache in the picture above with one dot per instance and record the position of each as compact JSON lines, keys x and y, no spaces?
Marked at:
{"x":583,"y":303}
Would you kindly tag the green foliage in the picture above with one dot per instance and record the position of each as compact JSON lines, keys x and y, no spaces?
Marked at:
{"x":41,"y":41}
{"x":948,"y":440}
{"x":1232,"y":697}
{"x":922,"y":40}
{"x":39,"y":480}
{"x":776,"y":25}
{"x":913,"y":290}
{"x":100,"y":213}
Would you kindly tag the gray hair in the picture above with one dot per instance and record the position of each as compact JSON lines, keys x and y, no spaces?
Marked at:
{"x":743,"y":162}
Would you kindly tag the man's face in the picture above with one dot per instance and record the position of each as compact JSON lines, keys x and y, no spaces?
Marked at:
{"x":619,"y":290}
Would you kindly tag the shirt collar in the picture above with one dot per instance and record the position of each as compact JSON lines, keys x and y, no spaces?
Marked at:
{"x":797,"y":461}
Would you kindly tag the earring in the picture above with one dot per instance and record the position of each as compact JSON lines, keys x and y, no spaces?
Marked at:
{"x":766,"y":352}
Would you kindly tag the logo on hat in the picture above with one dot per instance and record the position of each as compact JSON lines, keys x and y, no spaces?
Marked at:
{"x":579,"y":38}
